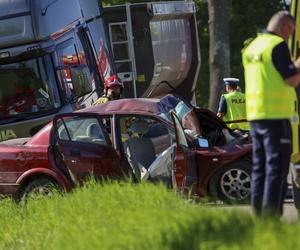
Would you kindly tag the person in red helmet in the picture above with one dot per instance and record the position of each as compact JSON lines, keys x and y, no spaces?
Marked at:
{"x":113,"y":88}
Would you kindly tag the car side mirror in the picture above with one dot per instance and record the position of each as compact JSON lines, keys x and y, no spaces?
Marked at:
{"x":203,"y":143}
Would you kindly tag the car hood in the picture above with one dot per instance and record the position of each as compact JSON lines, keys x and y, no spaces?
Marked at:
{"x":226,"y":153}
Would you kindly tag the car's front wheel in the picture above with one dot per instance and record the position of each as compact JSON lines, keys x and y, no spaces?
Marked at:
{"x":39,"y":187}
{"x":232,"y":183}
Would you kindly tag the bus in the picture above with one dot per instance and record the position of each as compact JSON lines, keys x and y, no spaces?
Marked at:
{"x":54,"y":57}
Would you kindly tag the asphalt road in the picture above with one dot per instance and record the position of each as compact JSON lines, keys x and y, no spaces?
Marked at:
{"x":290,"y":213}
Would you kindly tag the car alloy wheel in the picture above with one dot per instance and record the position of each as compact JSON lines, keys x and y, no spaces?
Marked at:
{"x":41,"y":190}
{"x":235,"y":184}
{"x":39,"y":187}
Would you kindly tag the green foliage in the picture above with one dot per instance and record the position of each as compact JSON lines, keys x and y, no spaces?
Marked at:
{"x":202,"y":90}
{"x":247,"y":18}
{"x":128,"y":216}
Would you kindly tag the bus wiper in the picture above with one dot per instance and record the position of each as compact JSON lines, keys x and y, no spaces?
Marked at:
{"x":31,"y":54}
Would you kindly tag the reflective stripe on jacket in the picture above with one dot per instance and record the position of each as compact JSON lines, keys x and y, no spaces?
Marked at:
{"x":102,"y":99}
{"x":236,"y":110}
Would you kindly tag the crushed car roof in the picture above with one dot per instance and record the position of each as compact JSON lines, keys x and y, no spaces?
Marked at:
{"x":143,"y":105}
{"x":146,"y":105}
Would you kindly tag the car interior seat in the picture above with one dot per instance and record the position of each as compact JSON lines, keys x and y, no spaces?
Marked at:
{"x":95,"y":134}
{"x":141,"y":149}
{"x":94,"y":131}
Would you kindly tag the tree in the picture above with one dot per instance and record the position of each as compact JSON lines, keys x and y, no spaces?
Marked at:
{"x":246,"y":19}
{"x":219,"y":48}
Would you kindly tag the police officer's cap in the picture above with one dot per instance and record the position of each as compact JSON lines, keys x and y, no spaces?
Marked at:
{"x":231,"y":81}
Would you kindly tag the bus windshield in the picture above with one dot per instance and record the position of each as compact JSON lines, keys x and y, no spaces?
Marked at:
{"x":28,"y":88}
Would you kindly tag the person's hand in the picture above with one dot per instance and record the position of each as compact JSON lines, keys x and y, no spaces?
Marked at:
{"x":220,"y":115}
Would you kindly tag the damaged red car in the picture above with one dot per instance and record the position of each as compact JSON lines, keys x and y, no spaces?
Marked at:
{"x":164,"y":140}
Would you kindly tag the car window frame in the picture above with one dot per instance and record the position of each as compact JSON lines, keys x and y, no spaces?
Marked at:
{"x":179,"y":145}
{"x":55,"y":136}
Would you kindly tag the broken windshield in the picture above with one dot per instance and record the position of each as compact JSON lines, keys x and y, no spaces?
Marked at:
{"x":176,"y":104}
{"x":183,"y":110}
{"x":28,"y":88}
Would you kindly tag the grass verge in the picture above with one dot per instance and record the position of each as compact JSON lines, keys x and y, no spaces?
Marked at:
{"x":126,"y":216}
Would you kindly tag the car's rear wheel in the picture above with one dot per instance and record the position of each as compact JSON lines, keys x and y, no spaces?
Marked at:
{"x":39,"y":187}
{"x":232,"y":183}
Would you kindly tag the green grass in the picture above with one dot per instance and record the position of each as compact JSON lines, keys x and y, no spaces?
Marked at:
{"x":126,"y":216}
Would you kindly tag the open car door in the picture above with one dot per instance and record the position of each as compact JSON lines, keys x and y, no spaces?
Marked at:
{"x":185,"y":171}
{"x":83,"y":148}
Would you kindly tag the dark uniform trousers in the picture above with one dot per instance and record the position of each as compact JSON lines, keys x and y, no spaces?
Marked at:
{"x":272,"y":147}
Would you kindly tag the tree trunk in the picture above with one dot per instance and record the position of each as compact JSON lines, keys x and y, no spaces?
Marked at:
{"x":219,"y":49}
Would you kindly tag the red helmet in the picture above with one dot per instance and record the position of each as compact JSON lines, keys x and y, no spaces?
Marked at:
{"x":113,"y":81}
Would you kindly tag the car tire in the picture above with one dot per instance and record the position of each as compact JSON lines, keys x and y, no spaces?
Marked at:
{"x":232,"y":183}
{"x":37,"y":187}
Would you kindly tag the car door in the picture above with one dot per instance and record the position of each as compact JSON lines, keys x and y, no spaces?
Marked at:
{"x":84,"y":147}
{"x":185,"y":171}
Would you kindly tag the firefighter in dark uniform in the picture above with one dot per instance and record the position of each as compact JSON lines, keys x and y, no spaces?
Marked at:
{"x":113,"y":88}
{"x":232,"y":106}
{"x":270,"y":77}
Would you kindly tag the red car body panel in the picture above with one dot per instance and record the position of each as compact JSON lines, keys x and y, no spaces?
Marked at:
{"x":215,"y":159}
{"x":180,"y":170}
{"x":41,"y":137}
{"x":19,"y":162}
{"x":86,"y":159}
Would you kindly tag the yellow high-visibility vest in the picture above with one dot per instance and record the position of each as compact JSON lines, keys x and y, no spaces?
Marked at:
{"x":236,"y":110}
{"x":103,"y":99}
{"x":268,"y":96}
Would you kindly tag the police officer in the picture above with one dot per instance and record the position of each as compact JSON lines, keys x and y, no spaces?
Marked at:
{"x":232,"y":105}
{"x":270,"y":77}
{"x":113,"y":88}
